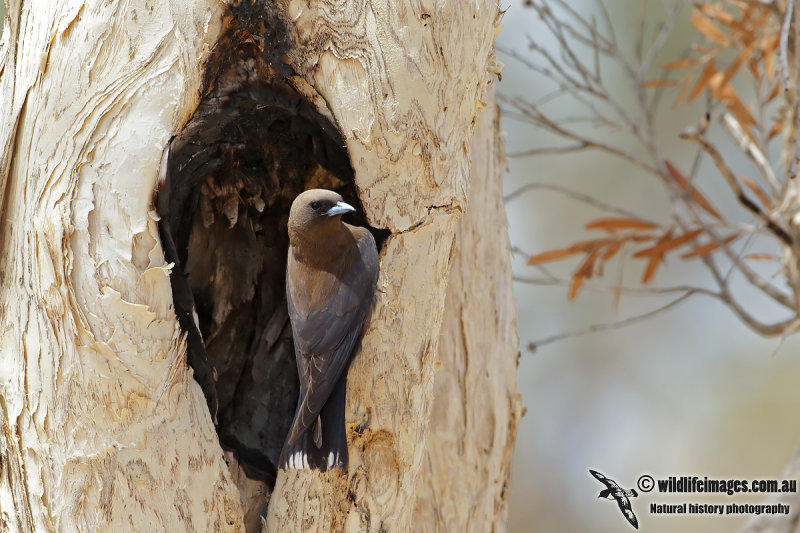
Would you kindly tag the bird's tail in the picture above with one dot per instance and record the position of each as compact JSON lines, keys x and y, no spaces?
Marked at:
{"x":324,"y":445}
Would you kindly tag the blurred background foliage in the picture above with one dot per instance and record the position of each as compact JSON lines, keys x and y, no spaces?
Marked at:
{"x":690,"y":391}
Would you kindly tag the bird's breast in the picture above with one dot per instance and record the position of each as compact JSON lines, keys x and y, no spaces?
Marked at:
{"x":310,"y":287}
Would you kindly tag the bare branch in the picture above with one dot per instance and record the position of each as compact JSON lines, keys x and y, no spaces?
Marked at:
{"x":549,"y":151}
{"x":591,"y":83}
{"x":579,"y":77}
{"x":607,"y":19}
{"x":585,"y":198}
{"x":534,"y":345}
{"x":661,"y":38}
{"x":766,"y":218}
{"x":752,"y":277}
{"x":642,"y":291}
{"x":752,"y":151}
{"x":768,"y":330}
{"x":784,"y":43}
{"x":552,"y":125}
{"x":640,"y":29}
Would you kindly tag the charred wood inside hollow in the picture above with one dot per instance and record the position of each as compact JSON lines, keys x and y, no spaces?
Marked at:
{"x":252,"y":145}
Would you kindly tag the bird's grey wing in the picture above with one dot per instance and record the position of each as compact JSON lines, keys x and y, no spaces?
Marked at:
{"x":325,"y":339}
{"x":610,"y":483}
{"x":625,"y":506}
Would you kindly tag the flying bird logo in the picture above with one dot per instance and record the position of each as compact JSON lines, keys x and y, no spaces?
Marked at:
{"x":614,"y":492}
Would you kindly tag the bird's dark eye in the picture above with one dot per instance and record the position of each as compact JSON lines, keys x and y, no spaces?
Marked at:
{"x":315,"y":205}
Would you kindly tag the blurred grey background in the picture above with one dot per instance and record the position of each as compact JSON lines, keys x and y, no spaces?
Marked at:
{"x":691,"y":391}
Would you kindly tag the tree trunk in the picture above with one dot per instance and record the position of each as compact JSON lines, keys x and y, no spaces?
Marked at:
{"x":103,"y":426}
{"x":467,"y":459}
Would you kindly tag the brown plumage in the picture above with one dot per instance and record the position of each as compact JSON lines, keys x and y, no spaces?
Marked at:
{"x":331,"y":276}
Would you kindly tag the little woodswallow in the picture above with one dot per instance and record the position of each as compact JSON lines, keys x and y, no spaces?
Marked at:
{"x":331,"y":277}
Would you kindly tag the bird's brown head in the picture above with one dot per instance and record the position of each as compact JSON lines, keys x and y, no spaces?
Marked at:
{"x":316,"y":213}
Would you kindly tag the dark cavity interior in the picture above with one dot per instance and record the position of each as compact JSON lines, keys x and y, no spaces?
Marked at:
{"x":252,"y":145}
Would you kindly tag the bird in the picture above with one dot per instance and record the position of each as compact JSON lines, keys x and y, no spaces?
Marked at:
{"x":614,"y":492}
{"x":331,"y":278}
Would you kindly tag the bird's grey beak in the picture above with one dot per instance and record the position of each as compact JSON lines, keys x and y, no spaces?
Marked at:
{"x":339,"y":209}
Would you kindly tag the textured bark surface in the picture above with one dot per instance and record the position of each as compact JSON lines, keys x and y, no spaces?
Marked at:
{"x":103,"y":427}
{"x":405,"y":83}
{"x":467,"y":463}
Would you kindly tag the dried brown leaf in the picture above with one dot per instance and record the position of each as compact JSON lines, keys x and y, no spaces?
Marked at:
{"x":705,"y":249}
{"x":586,"y":268}
{"x":615,"y":224}
{"x":716,"y":13}
{"x":574,"y":286}
{"x":758,"y":191}
{"x":650,"y":269}
{"x":726,"y":95}
{"x":703,"y":80}
{"x":773,"y":131}
{"x":657,"y":83}
{"x":554,"y":255}
{"x":680,"y":63}
{"x":762,"y":257}
{"x":776,"y":89}
{"x":686,"y":83}
{"x":611,"y":250}
{"x":584,"y":271}
{"x":665,"y":245}
{"x":752,"y":65}
{"x":655,"y":258}
{"x":696,"y":196}
{"x":769,"y":43}
{"x":734,"y":67}
{"x":768,"y":46}
{"x":709,"y":29}
{"x":769,"y":65}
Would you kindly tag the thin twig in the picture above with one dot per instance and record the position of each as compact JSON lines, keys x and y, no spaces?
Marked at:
{"x":785,"y":334}
{"x":533,"y":346}
{"x":590,"y":83}
{"x":607,"y":19}
{"x":549,"y":151}
{"x":540,"y":118}
{"x":661,"y":38}
{"x":640,"y":28}
{"x":566,"y":191}
{"x":642,"y":291}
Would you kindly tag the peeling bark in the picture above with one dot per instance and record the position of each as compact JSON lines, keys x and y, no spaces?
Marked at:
{"x":103,"y":427}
